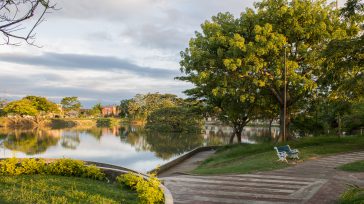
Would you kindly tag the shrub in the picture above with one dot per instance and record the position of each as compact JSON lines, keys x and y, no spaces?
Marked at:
{"x":106,"y":122}
{"x":32,"y":166}
{"x":148,"y":190}
{"x":62,"y":167}
{"x":66,"y":167}
{"x":9,"y":167}
{"x":93,"y":172}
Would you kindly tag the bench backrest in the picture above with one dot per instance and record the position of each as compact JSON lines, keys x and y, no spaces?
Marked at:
{"x":285,"y":148}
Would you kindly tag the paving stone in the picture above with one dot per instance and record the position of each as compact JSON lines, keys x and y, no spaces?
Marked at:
{"x":313,"y":181}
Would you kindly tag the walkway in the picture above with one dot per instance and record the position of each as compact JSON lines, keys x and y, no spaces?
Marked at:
{"x":314,"y":181}
{"x":187,"y":165}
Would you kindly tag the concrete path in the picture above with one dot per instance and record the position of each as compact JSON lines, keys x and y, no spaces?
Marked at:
{"x":314,"y":181}
{"x":187,"y":165}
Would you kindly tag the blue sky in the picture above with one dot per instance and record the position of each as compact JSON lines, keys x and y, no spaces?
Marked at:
{"x":108,"y":51}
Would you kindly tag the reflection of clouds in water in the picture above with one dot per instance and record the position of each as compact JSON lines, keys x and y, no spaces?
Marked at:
{"x":126,"y":146}
{"x":107,"y":149}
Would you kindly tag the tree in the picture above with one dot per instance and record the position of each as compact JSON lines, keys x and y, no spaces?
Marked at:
{"x":15,"y":13}
{"x":253,"y":48}
{"x":43,"y":105}
{"x":36,"y":106}
{"x":96,"y":110}
{"x":174,"y":119}
{"x":139,"y":107}
{"x":344,"y":62}
{"x":21,"y":107}
{"x":212,"y":63}
{"x":71,"y":104}
{"x":124,"y":105}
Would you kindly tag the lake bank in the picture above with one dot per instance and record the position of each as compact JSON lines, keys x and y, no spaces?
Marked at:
{"x":57,"y":123}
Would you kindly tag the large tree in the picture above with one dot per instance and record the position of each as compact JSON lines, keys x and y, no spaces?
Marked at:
{"x":344,"y":62}
{"x":71,"y":104}
{"x":43,"y":105}
{"x":21,"y":107}
{"x":253,"y":46}
{"x":16,"y":15}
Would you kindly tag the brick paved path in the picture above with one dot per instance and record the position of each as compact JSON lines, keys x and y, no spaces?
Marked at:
{"x":314,"y":181}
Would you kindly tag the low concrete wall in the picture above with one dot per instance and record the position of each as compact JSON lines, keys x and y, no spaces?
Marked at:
{"x":182,"y":158}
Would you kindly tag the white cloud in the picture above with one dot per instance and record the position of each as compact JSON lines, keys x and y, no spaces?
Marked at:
{"x":143,"y":33}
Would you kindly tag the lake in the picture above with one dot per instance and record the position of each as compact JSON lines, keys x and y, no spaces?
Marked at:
{"x":127,"y":145}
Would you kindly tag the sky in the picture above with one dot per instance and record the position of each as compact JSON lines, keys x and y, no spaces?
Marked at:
{"x":109,"y":51}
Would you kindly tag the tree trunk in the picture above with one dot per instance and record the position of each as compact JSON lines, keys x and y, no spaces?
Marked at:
{"x":238,"y":135}
{"x":231,"y":141}
{"x":339,"y":125}
{"x":270,"y":127}
{"x":281,"y":123}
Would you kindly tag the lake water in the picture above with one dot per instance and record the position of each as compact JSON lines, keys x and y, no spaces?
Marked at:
{"x":128,"y":146}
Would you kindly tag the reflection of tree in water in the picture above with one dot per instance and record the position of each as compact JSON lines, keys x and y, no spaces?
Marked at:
{"x":167,"y":145}
{"x":31,"y":142}
{"x":70,"y":139}
{"x":134,"y":135}
{"x":95,"y":132}
{"x":258,"y":134}
{"x":216,"y":138}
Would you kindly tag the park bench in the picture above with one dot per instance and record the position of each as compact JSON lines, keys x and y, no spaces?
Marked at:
{"x":285,"y":151}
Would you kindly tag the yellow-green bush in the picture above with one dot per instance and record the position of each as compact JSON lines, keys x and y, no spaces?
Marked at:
{"x":9,"y":167}
{"x":148,"y":190}
{"x":62,"y":167}
{"x":31,"y":166}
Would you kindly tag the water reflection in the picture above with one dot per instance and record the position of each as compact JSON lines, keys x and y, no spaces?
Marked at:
{"x":130,"y":146}
{"x":30,"y":142}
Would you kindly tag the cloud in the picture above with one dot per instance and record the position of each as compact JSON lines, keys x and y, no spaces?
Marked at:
{"x":89,"y":62}
{"x":91,"y":88}
{"x":108,"y":50}
{"x":158,"y":36}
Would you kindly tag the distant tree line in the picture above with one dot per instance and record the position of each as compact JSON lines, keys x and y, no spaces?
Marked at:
{"x":162,"y":112}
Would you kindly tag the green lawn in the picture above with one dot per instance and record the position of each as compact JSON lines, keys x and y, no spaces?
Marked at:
{"x":353,"y":167}
{"x":58,"y":190}
{"x":248,"y":158}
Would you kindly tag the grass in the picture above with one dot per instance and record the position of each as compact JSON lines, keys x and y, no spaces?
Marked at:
{"x":249,"y":158}
{"x":353,"y":195}
{"x":58,"y":189}
{"x":353,"y":167}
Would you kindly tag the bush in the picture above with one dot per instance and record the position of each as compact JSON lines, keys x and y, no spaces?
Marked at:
{"x":353,"y":195}
{"x":106,"y":122}
{"x":32,"y":166}
{"x":149,"y":191}
{"x":62,"y":167}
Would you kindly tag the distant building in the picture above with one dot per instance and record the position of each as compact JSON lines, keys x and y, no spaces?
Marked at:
{"x":110,"y":111}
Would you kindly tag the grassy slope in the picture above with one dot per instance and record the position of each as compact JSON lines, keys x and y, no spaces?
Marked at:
{"x":247,"y":158}
{"x":353,"y":167}
{"x":354,"y":195}
{"x":58,"y":189}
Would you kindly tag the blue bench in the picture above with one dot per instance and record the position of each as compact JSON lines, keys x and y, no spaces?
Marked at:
{"x":285,"y":151}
